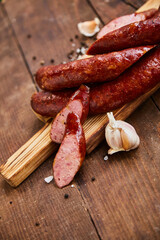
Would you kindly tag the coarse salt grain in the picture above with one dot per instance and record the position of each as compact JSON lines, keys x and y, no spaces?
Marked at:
{"x":72,"y":185}
{"x":106,"y":158}
{"x":73,"y":44}
{"x":83,"y":50}
{"x":48,"y":179}
{"x":78,"y":50}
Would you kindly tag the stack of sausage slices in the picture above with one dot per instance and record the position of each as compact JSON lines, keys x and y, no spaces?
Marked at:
{"x":122,"y":64}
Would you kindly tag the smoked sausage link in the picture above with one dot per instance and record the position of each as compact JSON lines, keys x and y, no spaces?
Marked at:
{"x":95,"y":69}
{"x":71,"y":153}
{"x":125,"y":20}
{"x":78,"y":104}
{"x":131,"y":35}
{"x":135,"y":81}
{"x":48,"y":104}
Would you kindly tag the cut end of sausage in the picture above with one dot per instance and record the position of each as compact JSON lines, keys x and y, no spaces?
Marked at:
{"x":59,"y":123}
{"x":67,"y":161}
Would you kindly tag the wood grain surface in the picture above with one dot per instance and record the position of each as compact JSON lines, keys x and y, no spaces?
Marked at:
{"x":114,"y":199}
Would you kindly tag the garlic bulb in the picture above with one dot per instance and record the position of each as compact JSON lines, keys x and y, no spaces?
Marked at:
{"x":120,"y":136}
{"x":89,"y":28}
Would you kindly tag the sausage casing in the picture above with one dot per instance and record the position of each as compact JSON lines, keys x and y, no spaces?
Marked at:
{"x":95,"y":69}
{"x":131,"y":35}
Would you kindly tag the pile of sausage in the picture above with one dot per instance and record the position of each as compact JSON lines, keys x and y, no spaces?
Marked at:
{"x":125,"y":64}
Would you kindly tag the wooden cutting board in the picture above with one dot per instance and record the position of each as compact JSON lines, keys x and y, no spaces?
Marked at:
{"x":24,"y":161}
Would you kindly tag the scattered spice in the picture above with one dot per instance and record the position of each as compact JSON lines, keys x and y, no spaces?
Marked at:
{"x":71,"y":39}
{"x":93,"y":179}
{"x":52,"y":60}
{"x":34,"y":57}
{"x":69,"y":55}
{"x":42,"y":62}
{"x":37,"y":224}
{"x":10,"y":202}
{"x":83,"y":44}
{"x":76,"y":36}
{"x":29,"y":36}
{"x":66,"y":196}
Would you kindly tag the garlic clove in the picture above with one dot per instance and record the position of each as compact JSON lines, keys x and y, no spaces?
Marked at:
{"x":120,"y":135}
{"x":113,"y":138}
{"x":111,"y":150}
{"x":89,"y":28}
{"x":130,"y":139}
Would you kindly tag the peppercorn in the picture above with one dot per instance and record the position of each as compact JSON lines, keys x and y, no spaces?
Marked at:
{"x":93,"y":179}
{"x":66,"y":196}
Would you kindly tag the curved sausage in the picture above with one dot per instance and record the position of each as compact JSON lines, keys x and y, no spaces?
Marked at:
{"x":135,"y":81}
{"x":78,"y":104}
{"x":125,"y":20}
{"x":99,"y":68}
{"x":48,"y":104}
{"x":71,"y":153}
{"x":131,"y":35}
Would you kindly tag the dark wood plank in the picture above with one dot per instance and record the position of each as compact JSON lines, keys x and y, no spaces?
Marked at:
{"x":124,"y":198}
{"x":109,"y":10}
{"x":135,"y":3}
{"x":18,"y":123}
{"x":51,"y":25}
{"x":35,"y":210}
{"x":156,"y":98}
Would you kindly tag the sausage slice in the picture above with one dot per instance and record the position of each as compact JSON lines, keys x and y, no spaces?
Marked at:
{"x":125,"y":20}
{"x":79,"y":104}
{"x":71,"y":153}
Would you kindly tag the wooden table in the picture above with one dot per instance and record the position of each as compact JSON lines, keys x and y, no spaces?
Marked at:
{"x":123,"y":200}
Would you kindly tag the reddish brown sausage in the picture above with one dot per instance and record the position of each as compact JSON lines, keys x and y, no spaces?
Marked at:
{"x":71,"y":153}
{"x":79,"y":104}
{"x":132,"y":35}
{"x":138,"y":79}
{"x":125,"y":20}
{"x":49,"y":104}
{"x":99,"y":68}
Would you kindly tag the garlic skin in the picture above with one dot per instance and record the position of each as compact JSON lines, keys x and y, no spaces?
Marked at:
{"x":120,"y":135}
{"x":89,"y":28}
{"x":84,"y":56}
